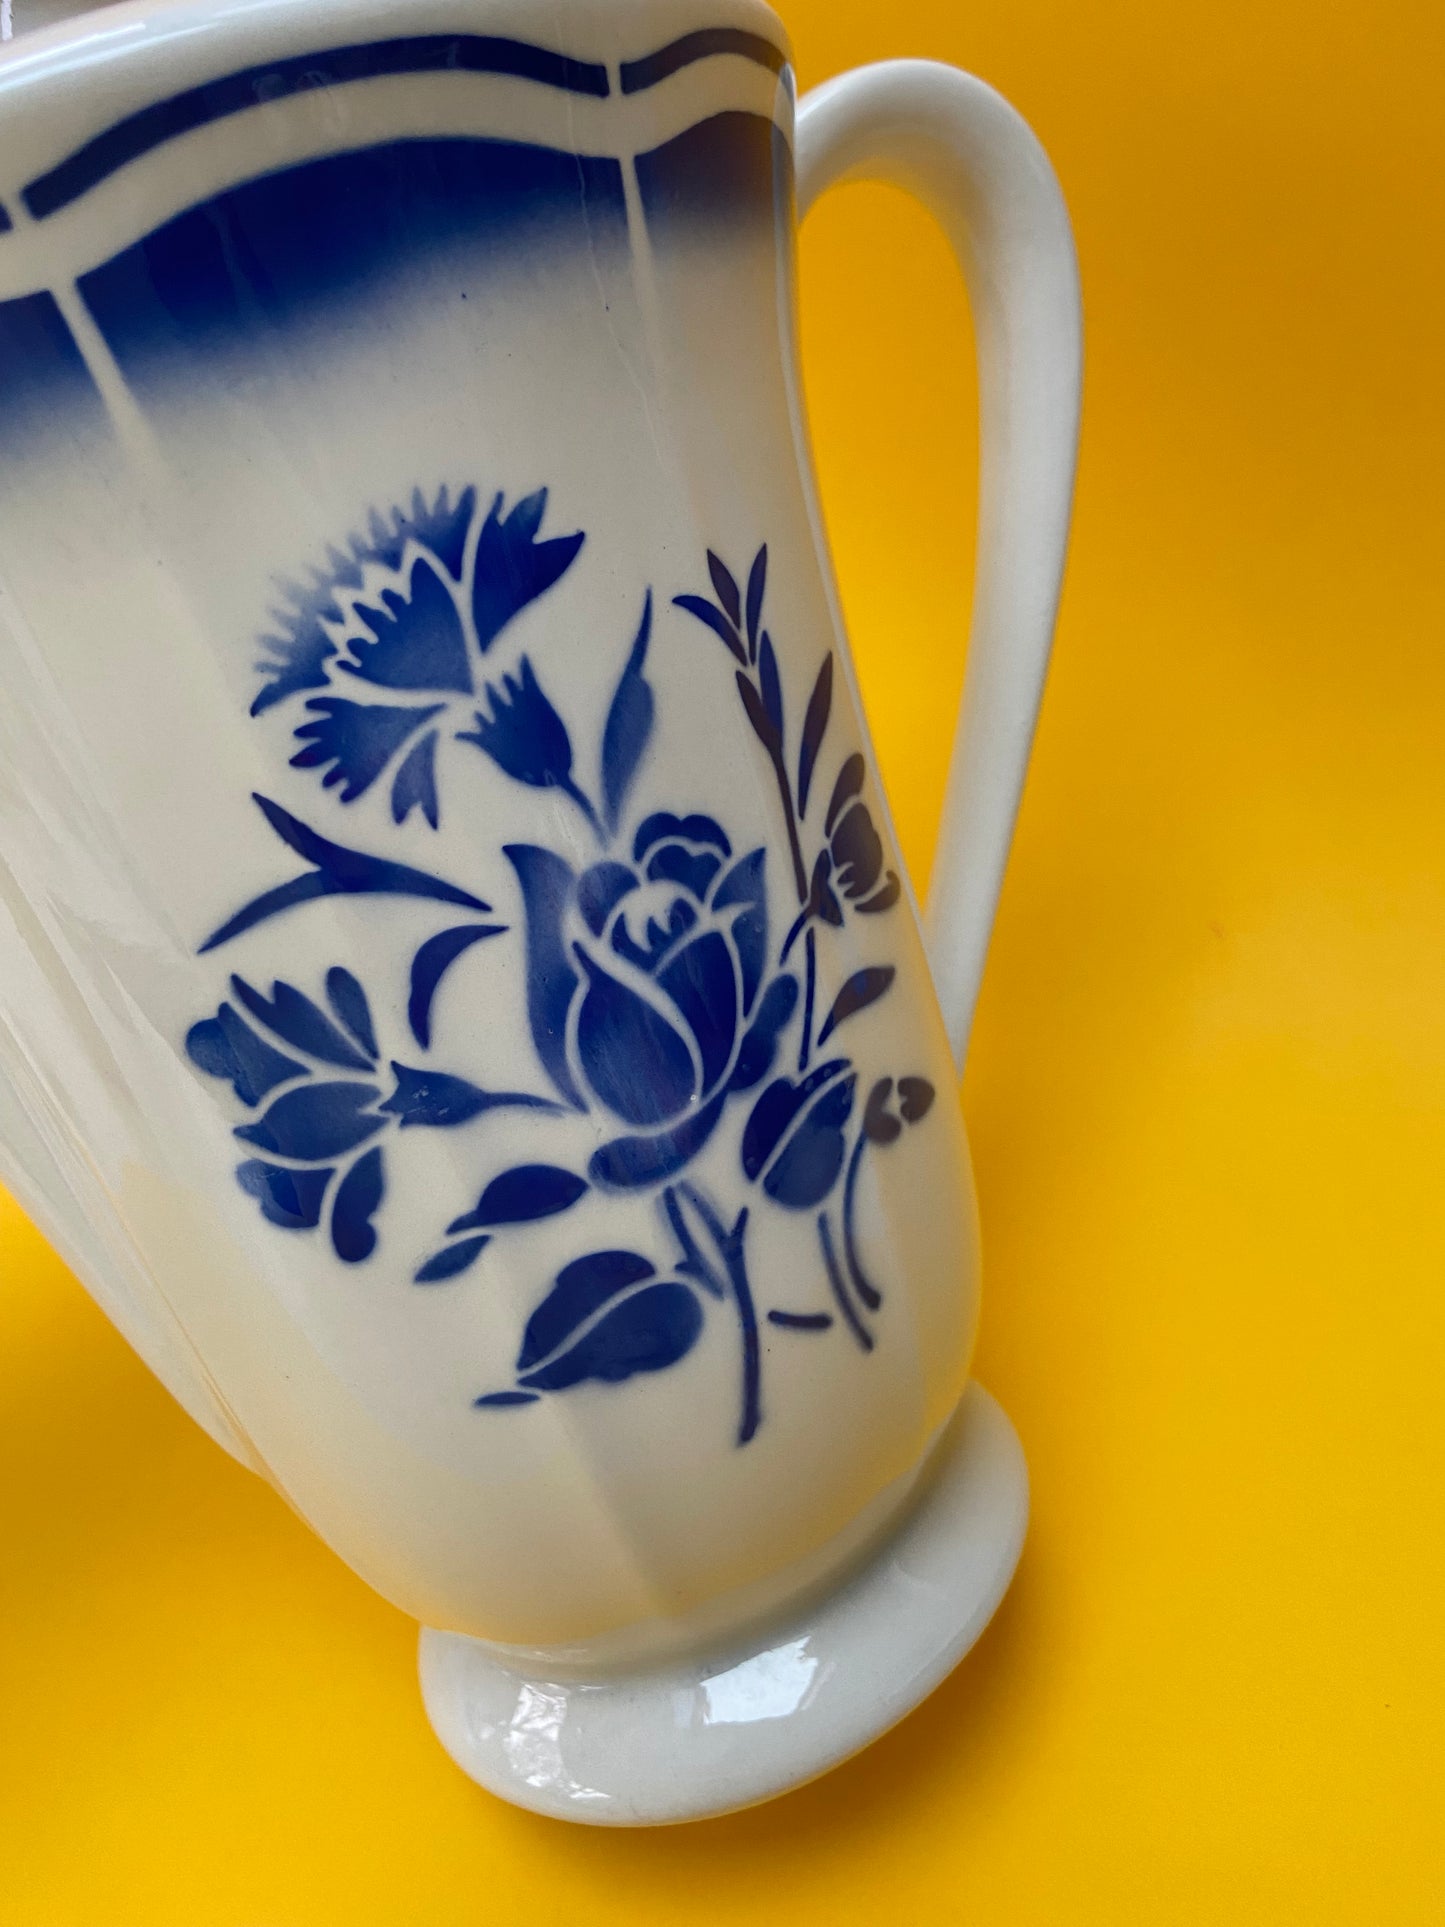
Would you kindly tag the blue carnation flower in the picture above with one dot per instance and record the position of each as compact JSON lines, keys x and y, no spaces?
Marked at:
{"x":411,"y":611}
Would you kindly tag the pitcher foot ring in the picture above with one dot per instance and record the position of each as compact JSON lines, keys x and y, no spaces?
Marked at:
{"x":709,"y":1733}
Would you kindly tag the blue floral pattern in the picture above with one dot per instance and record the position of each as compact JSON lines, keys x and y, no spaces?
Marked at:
{"x":662,"y":960}
{"x":413,"y":611}
{"x":659,"y":999}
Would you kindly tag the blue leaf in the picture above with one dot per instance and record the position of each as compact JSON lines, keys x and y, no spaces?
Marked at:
{"x":338,"y":872}
{"x":358,"y":1196}
{"x":525,"y":1193}
{"x":757,"y":584}
{"x":348,"y":1000}
{"x":857,"y":851}
{"x":414,"y":787}
{"x":226,"y":1046}
{"x":286,"y":896}
{"x":759,"y":1046}
{"x":636,"y":1061}
{"x":725,"y":588}
{"x":512,"y":568}
{"x":880,"y":1126}
{"x":431,"y":963}
{"x":809,"y":1164}
{"x":291,"y":1199}
{"x":771,"y":687}
{"x":440,"y":1101}
{"x":707,"y":612}
{"x":849,"y":783}
{"x":358,"y":740}
{"x":547,"y":884}
{"x":647,"y":1332}
{"x":419,"y":640}
{"x":629,"y":724}
{"x":773,"y":1114}
{"x":504,"y":1399}
{"x":316,"y":1121}
{"x":579,"y":1291}
{"x":451,"y":1262}
{"x":815,"y":727}
{"x":302,"y":1024}
{"x":628,"y":1163}
{"x":882,"y":898}
{"x":864,"y":987}
{"x":915,"y":1098}
{"x":766,"y":726}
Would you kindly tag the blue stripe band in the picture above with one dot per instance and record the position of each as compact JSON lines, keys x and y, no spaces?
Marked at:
{"x":637,"y":74}
{"x":163,"y":120}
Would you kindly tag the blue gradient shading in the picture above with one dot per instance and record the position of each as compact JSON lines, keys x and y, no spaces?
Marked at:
{"x":43,"y":377}
{"x":264,"y":257}
{"x":732,"y":167}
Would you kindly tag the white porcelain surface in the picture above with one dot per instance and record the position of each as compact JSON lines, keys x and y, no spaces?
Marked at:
{"x":380,"y":391}
{"x":731,"y":1726}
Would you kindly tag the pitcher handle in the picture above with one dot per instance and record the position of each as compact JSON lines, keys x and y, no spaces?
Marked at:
{"x":962,"y":151}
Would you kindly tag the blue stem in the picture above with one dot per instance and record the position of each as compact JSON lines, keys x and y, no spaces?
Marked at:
{"x":805,"y":1045}
{"x":730,"y":1248}
{"x":870,"y":1294}
{"x":840,"y":1290}
{"x":569,"y":788}
{"x":802,"y":1321}
{"x":799,"y":924}
{"x":693,"y":1264}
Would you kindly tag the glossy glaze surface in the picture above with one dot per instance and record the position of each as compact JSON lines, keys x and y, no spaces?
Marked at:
{"x":466,"y":1003}
{"x":732,"y":1725}
{"x":503,"y":973}
{"x":1202,"y":1098}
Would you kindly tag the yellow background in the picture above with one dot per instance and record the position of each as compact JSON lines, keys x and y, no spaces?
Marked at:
{"x":1206,"y":1099}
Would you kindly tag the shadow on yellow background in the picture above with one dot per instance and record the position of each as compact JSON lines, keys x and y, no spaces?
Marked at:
{"x":1205,"y":1096}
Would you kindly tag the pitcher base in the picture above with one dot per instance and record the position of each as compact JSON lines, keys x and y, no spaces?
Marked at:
{"x":716,"y":1731}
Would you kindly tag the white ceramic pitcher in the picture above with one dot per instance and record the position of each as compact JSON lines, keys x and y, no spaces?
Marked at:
{"x":462,"y":1012}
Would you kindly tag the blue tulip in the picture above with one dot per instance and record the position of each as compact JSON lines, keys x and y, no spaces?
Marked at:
{"x":525,"y":737}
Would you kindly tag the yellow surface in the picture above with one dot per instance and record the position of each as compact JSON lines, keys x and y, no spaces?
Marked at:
{"x":1206,"y":1100}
